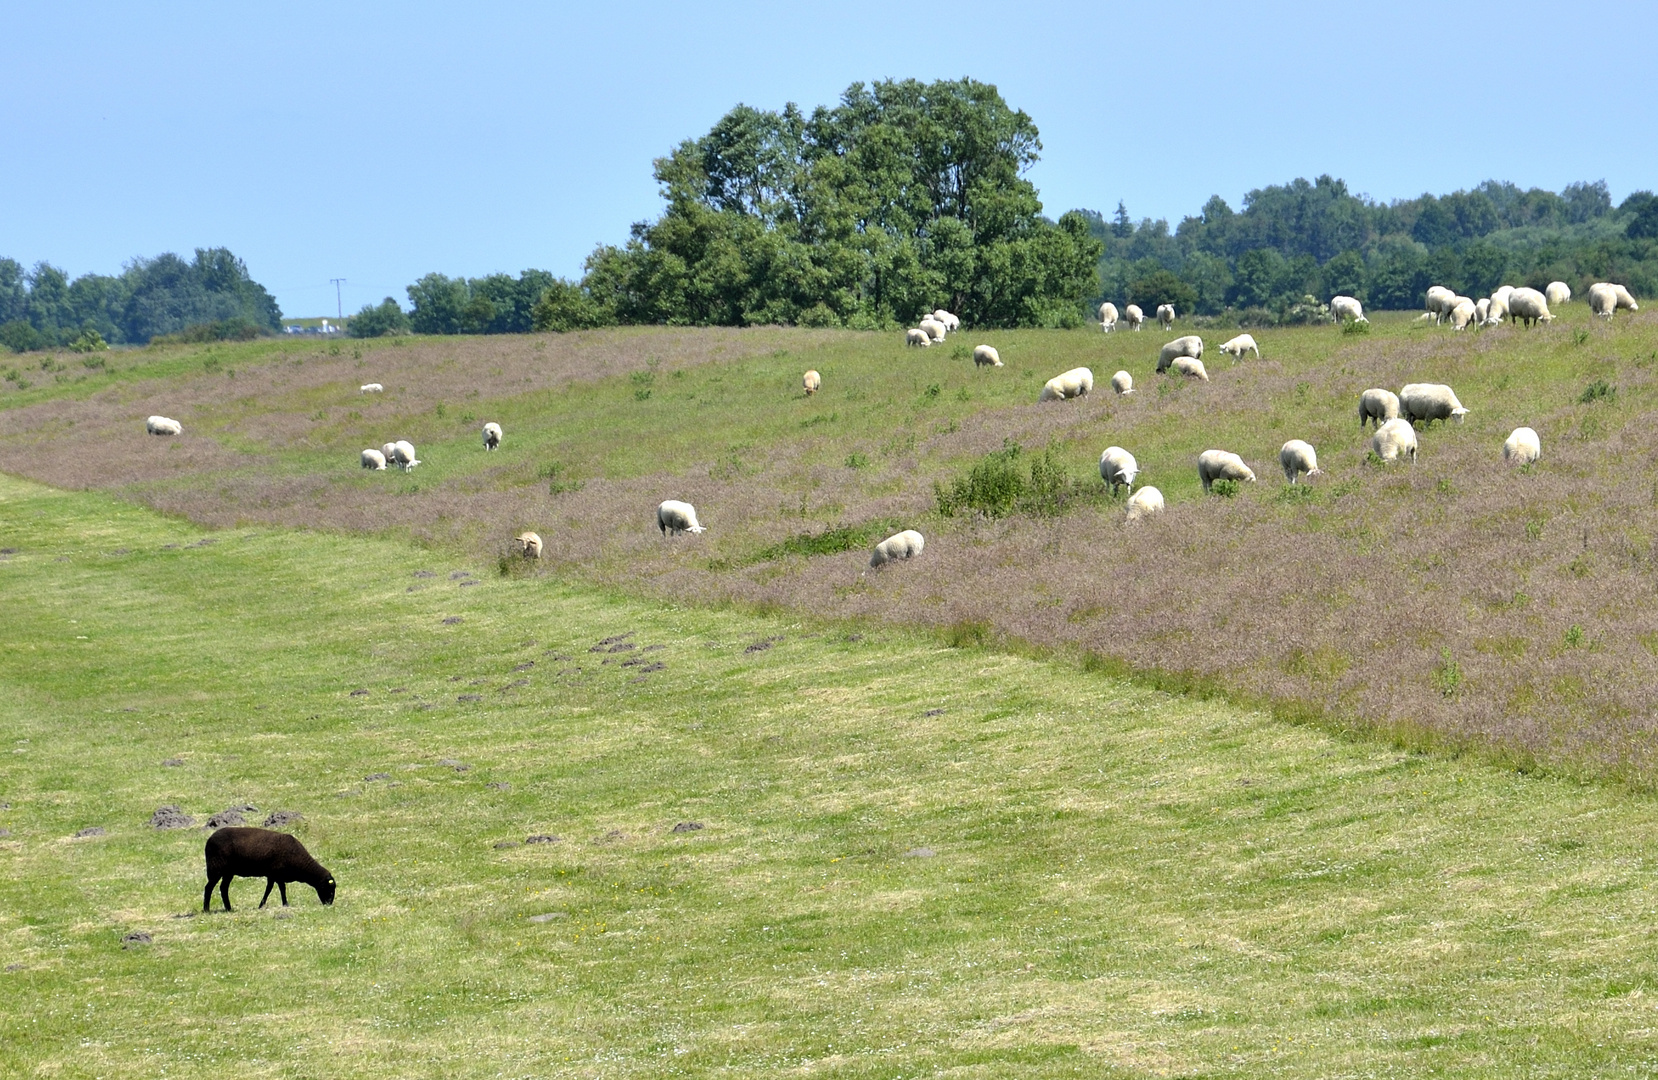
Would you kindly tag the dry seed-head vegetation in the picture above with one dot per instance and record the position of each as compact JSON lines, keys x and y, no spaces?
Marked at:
{"x":1454,"y":601}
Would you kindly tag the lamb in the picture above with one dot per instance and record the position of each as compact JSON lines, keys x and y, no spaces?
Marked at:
{"x":1239,"y":345}
{"x":161,"y":425}
{"x":492,"y":436}
{"x":1191,"y":345}
{"x":1378,"y":406}
{"x":1606,"y":298}
{"x":403,"y":453}
{"x":1215,"y":465}
{"x":1497,"y":309}
{"x":371,"y":388}
{"x":1108,"y":316}
{"x":951,"y":323}
{"x":935,"y":329}
{"x":528,"y":544}
{"x":905,"y":545}
{"x":677,"y":517}
{"x":1134,"y":316}
{"x":1347,"y":307}
{"x":1440,"y":301}
{"x":1428,"y":402}
{"x":1191,"y":367}
{"x":1297,"y":457}
{"x":1074,"y":383}
{"x":1462,"y":314}
{"x":1522,"y":447}
{"x":1393,"y":438}
{"x":917,"y":337}
{"x":1165,"y":316}
{"x":1118,"y":468}
{"x":1558,"y":292}
{"x":1144,"y":503}
{"x":374,"y":459}
{"x":236,"y":851}
{"x":985,"y":356}
{"x":812,"y":381}
{"x":1529,"y":305}
{"x":1122,"y":382}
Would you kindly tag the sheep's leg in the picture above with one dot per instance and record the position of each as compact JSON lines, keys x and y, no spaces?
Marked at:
{"x":282,"y":887}
{"x":207,"y":895}
{"x":224,"y":890}
{"x":270,"y":884}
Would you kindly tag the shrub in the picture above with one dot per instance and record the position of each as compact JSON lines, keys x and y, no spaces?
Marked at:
{"x":237,"y":329}
{"x":1002,"y":484}
{"x":1599,"y":390}
{"x":1356,"y":327}
{"x":19,"y":336}
{"x":89,"y":341}
{"x":830,"y":541}
{"x":566,"y":306}
{"x":1224,"y":488}
{"x":379,"y":320}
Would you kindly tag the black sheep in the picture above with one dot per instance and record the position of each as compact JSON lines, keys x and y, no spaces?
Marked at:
{"x":275,"y":856}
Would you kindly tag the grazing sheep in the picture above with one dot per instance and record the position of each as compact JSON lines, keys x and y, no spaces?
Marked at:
{"x":1298,"y":457}
{"x":935,"y":329}
{"x":905,"y":545}
{"x":1191,"y":345}
{"x":1482,"y":308}
{"x":1118,"y":468}
{"x":1122,"y":382}
{"x":1503,"y":292}
{"x":1215,"y":465}
{"x":1108,"y":316}
{"x":1440,"y":302}
{"x":1428,"y":402}
{"x":492,"y":436}
{"x":1558,"y":292}
{"x":1606,"y":298}
{"x":1077,"y":382}
{"x":1378,"y":406}
{"x":1530,"y":306}
{"x":951,"y":323}
{"x":812,"y":381}
{"x":1462,"y":314}
{"x":1189,"y":366}
{"x":1144,"y":503}
{"x":1346,"y":307}
{"x":528,"y":544}
{"x":676,"y":517}
{"x":1134,"y":316}
{"x":403,"y":453}
{"x":236,"y":851}
{"x":374,"y":459}
{"x":161,"y":425}
{"x":917,"y":337}
{"x":1522,"y":447}
{"x":1394,"y":438}
{"x":1496,"y":309}
{"x":1165,"y":316}
{"x":985,"y":356}
{"x":1239,"y":345}
{"x":389,"y":451}
{"x":372,"y":388}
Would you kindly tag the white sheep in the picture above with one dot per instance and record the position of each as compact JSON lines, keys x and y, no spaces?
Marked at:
{"x":1122,"y":382}
{"x":1394,"y":438}
{"x":1558,"y":292}
{"x":1530,"y":306}
{"x":1144,"y":503}
{"x":1606,"y":298}
{"x":905,"y":545}
{"x":492,"y":436}
{"x":1297,"y":457}
{"x":1347,"y":307}
{"x":1189,"y":366}
{"x":528,"y":544}
{"x":1462,"y":315}
{"x":1108,"y":316}
{"x":1191,"y":345}
{"x":1078,"y":382}
{"x":1496,"y":310}
{"x":1503,"y":293}
{"x":1215,"y":465}
{"x":1118,"y":468}
{"x":812,"y":381}
{"x":1134,"y":316}
{"x":1377,"y":406}
{"x":1165,"y":315}
{"x":372,"y":388}
{"x":389,"y":451}
{"x":161,"y":425}
{"x":374,"y":459}
{"x":403,"y":452}
{"x":985,"y":356}
{"x":1482,"y":308}
{"x":1522,"y":447}
{"x":1440,"y":301}
{"x":951,"y":323}
{"x":1239,"y":345}
{"x":677,"y":517}
{"x":917,"y":337}
{"x":1428,"y":402}
{"x":935,"y":329}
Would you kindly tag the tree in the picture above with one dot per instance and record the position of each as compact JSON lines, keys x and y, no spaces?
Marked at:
{"x":1161,"y":287}
{"x":1643,"y":222}
{"x":1121,"y":227}
{"x":566,"y":306}
{"x":378,"y":320}
{"x":437,"y":304}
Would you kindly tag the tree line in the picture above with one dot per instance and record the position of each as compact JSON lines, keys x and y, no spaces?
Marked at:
{"x":209,"y":296}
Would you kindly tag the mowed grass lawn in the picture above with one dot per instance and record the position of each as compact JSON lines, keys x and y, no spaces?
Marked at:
{"x":913,"y":859}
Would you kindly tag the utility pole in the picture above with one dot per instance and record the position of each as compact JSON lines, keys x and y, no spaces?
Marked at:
{"x":339,"y":305}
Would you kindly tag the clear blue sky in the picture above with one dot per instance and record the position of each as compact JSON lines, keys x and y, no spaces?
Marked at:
{"x":377,"y":142}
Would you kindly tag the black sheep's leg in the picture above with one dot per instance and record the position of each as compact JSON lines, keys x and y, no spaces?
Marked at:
{"x":282,"y":887}
{"x":269,"y":885}
{"x":224,"y":889}
{"x":207,"y":895}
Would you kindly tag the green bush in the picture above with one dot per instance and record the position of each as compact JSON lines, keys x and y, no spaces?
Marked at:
{"x":379,"y":320}
{"x":1002,"y":483}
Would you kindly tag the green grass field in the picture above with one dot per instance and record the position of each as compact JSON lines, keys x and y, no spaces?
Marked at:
{"x":914,"y":859}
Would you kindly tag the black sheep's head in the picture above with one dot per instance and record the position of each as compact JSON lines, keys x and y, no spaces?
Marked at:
{"x":325,"y":891}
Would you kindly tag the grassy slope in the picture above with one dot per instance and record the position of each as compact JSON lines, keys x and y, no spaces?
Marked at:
{"x":1122,"y":884}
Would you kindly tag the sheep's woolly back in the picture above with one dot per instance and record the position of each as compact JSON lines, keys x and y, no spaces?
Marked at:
{"x":1144,"y":503}
{"x":1522,"y":447}
{"x":905,"y":545}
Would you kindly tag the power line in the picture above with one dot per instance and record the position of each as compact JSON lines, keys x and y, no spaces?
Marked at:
{"x":339,"y":304}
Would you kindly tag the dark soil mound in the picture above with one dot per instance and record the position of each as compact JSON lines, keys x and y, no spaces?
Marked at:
{"x":171,"y":817}
{"x":278,"y":818}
